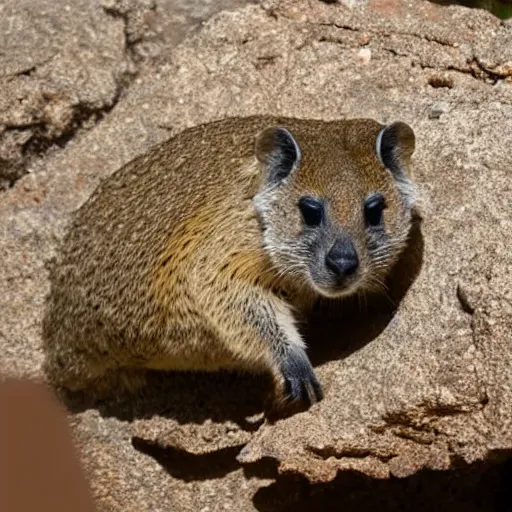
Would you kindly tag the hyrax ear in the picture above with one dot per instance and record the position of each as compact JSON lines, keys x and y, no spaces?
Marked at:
{"x":278,"y":152}
{"x":395,"y":146}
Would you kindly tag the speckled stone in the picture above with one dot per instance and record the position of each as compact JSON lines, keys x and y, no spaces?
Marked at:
{"x":427,"y":387}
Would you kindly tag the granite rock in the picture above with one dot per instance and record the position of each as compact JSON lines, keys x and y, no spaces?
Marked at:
{"x":415,"y":382}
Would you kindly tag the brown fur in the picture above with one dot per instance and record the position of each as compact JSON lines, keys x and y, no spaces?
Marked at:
{"x":166,"y":266}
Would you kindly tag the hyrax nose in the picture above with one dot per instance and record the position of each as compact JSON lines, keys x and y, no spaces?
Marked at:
{"x":342,"y":258}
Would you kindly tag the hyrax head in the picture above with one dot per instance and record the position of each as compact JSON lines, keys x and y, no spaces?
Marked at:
{"x":335,"y":201}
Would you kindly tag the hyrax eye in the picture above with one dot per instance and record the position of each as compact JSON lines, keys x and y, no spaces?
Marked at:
{"x":373,"y":209}
{"x":312,"y":210}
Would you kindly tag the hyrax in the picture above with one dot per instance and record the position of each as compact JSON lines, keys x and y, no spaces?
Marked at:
{"x":205,"y":252}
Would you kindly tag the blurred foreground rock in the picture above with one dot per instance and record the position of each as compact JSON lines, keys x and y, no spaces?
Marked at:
{"x":426,"y":387}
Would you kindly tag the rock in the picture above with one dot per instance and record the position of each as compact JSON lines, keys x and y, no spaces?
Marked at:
{"x":427,"y":387}
{"x":66,"y":68}
{"x":441,"y":80}
{"x":364,"y":39}
{"x":365,"y":55}
{"x":59,"y":68}
{"x":437,"y":110}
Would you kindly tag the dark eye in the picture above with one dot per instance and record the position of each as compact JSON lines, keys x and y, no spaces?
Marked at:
{"x":373,"y":209}
{"x":312,"y":210}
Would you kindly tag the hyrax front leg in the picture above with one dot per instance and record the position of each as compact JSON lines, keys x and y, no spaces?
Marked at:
{"x":262,"y":334}
{"x":257,"y":332}
{"x":299,"y":383}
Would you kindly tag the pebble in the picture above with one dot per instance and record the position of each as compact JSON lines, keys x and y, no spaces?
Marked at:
{"x":437,"y":109}
{"x":364,"y":55}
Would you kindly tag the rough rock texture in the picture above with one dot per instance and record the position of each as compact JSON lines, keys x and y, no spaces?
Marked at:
{"x":59,"y":66}
{"x":426,"y":387}
{"x":64,"y":66}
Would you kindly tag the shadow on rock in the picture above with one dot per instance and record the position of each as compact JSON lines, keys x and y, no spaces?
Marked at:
{"x":190,"y":466}
{"x":186,"y":397}
{"x":474,"y":488}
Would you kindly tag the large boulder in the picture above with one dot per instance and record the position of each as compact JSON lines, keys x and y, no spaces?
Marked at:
{"x":420,"y":381}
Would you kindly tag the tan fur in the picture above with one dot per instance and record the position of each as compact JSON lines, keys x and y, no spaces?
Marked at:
{"x":166,"y":261}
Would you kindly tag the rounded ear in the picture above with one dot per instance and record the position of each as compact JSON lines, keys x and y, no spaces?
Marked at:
{"x":278,"y":152}
{"x":395,"y":145}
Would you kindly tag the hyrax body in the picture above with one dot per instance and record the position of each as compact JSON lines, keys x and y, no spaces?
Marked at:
{"x":203,"y":253}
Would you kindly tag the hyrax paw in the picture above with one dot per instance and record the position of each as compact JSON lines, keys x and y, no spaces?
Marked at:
{"x":301,"y":387}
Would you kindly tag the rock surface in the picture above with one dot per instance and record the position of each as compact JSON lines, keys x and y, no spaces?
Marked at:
{"x":63,"y":67}
{"x":428,"y":387}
